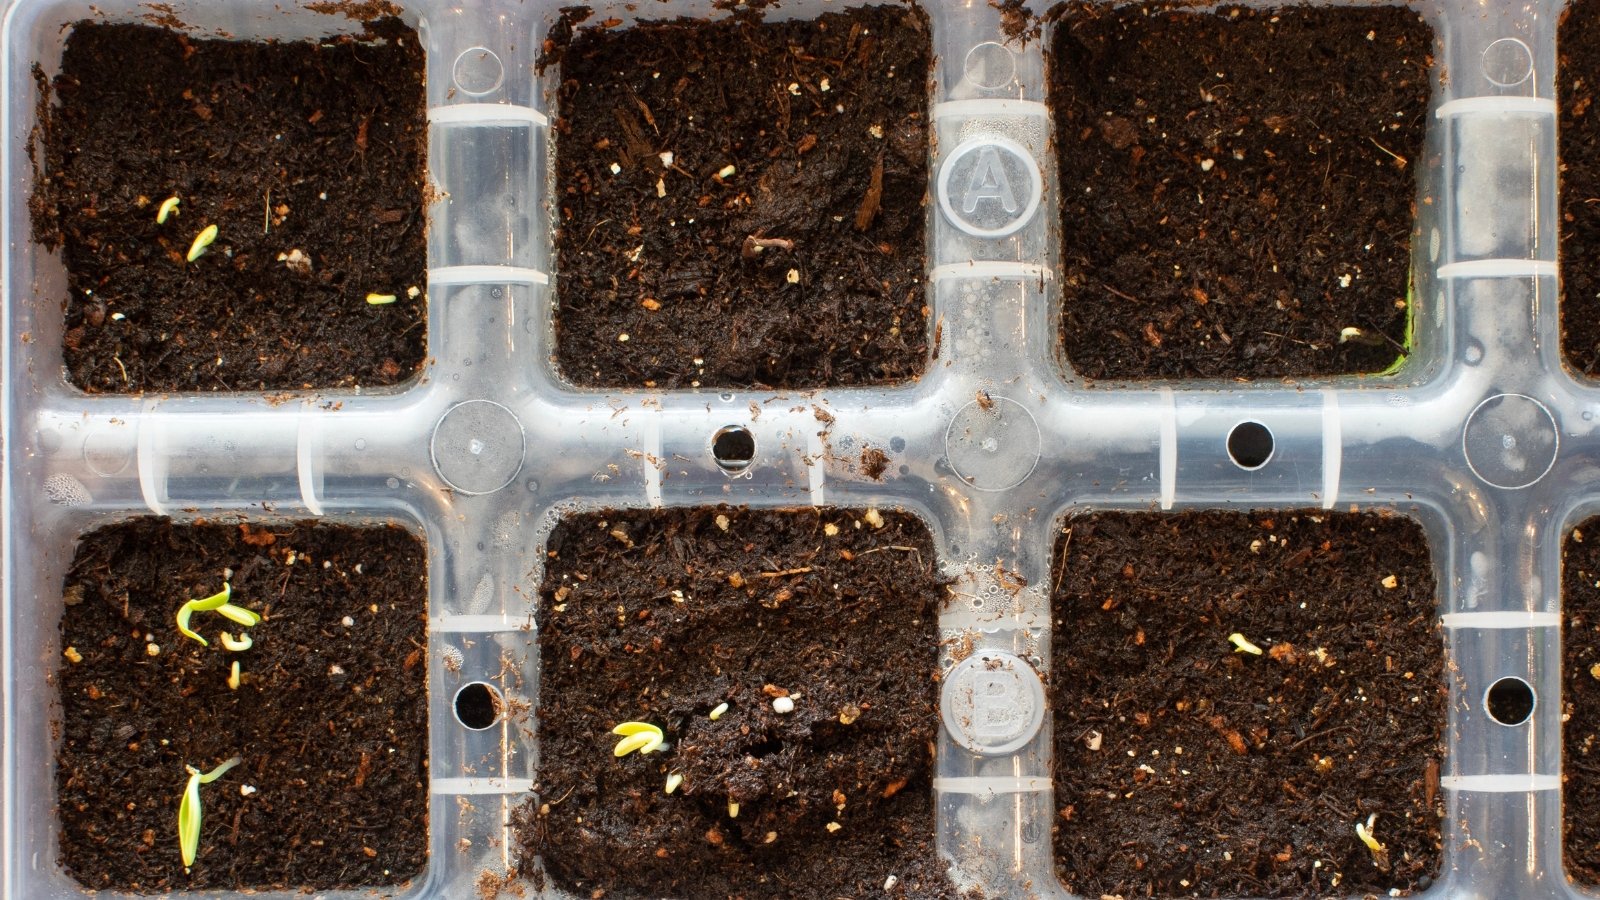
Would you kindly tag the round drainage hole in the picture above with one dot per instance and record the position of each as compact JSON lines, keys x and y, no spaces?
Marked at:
{"x":1250,"y":445}
{"x":734,"y":447}
{"x":1510,"y":701}
{"x":477,"y":706}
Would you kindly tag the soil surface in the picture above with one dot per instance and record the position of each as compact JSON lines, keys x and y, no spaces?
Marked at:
{"x":309,"y":159}
{"x":681,"y":147}
{"x":1238,"y":187}
{"x":660,"y":617}
{"x":1580,"y":703}
{"x":1578,"y":61}
{"x":330,"y":719}
{"x":1185,"y":767}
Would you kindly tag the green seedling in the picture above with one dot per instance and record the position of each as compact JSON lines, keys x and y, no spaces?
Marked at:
{"x":168,"y":207}
{"x":189,"y":808}
{"x":640,"y":736}
{"x":217,"y":603}
{"x":1241,"y":644}
{"x":201,"y":242}
{"x":1409,"y":342}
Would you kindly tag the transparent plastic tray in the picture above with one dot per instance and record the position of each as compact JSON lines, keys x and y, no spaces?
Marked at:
{"x":1482,"y":435}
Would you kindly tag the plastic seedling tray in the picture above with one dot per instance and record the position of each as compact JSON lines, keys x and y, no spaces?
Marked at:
{"x":1482,"y":435}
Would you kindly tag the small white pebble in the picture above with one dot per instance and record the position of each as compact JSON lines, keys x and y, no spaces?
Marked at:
{"x":413,"y":292}
{"x":117,"y":317}
{"x":794,"y":89}
{"x":335,"y":670}
{"x":830,"y":529}
{"x":834,"y":826}
{"x":890,"y":882}
{"x":152,"y":649}
{"x":1344,"y":280}
{"x":1206,"y":164}
{"x":873,"y":517}
{"x":622,"y":338}
{"x":358,"y":568}
{"x":666,"y":158}
{"x":782,"y":705}
{"x":726,"y":171}
{"x":616,"y":169}
{"x":876,"y":131}
{"x":246,"y":790}
{"x":793,"y":277}
{"x":1390,"y":582}
{"x":824,"y":86}
{"x":347,"y":621}
{"x":722,"y":521}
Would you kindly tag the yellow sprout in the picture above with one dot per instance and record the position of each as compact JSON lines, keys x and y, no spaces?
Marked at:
{"x":640,"y":736}
{"x":189,"y":808}
{"x":1242,"y":644}
{"x":245,"y":642}
{"x":381,"y":299}
{"x":733,"y":810}
{"x":1380,"y":853}
{"x":168,"y":207}
{"x":201,"y":242}
{"x":233,"y":677}
{"x":717,"y":713}
{"x":673,"y":781}
{"x":239,"y":614}
{"x":206,"y":604}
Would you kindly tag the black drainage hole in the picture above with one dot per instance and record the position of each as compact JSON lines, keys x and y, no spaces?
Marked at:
{"x":1510,"y":701}
{"x":477,"y":706}
{"x":1249,"y":445}
{"x":733,"y":448}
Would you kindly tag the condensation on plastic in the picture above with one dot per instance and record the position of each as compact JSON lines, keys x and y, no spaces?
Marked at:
{"x":1482,"y":435}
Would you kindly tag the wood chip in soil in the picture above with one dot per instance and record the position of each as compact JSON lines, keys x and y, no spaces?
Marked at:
{"x":660,"y":617}
{"x":741,"y":203}
{"x":1186,"y":767}
{"x":330,"y":718}
{"x":308,"y":158}
{"x":1238,"y":187}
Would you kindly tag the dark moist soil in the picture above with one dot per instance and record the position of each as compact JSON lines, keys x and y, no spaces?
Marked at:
{"x":330,"y":720}
{"x":1580,"y":703}
{"x":1578,"y":61}
{"x":825,"y":125}
{"x":1341,"y":717}
{"x":250,"y":137}
{"x":772,"y":605}
{"x":1237,"y":187}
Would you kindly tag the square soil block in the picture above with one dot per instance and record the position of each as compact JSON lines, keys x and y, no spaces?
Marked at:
{"x":1578,"y":131}
{"x":817,"y":630}
{"x":1237,"y":187}
{"x":329,"y":720}
{"x":1580,"y":703}
{"x":741,"y":203}
{"x":309,"y":160}
{"x":1187,"y":766}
